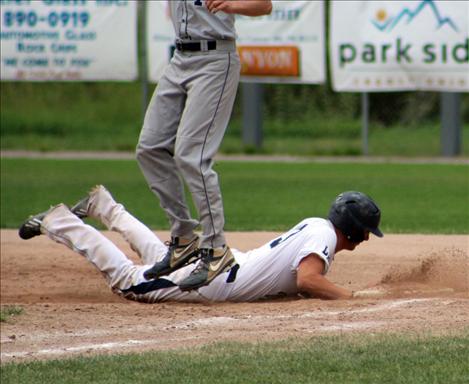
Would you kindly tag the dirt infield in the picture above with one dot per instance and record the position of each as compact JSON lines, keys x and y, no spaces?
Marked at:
{"x":423,"y":281}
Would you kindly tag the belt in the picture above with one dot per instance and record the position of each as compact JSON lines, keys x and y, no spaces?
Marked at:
{"x":197,"y":46}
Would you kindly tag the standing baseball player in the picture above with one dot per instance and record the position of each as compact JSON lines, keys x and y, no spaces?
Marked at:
{"x":184,"y":126}
{"x":293,"y":263}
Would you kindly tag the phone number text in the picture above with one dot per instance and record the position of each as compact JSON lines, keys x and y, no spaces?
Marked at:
{"x":52,"y":19}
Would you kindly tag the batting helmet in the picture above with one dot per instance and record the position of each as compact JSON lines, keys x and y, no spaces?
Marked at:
{"x":353,"y":213}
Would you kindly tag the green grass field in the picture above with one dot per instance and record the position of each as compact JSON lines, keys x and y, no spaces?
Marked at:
{"x":108,"y":116}
{"x":414,"y":198}
{"x":339,"y":359}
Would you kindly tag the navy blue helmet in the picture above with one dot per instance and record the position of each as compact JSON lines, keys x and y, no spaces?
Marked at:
{"x":354,"y":213}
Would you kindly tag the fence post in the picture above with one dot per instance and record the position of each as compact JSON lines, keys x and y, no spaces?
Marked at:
{"x":450,"y":111}
{"x":252,"y":101}
{"x":365,"y":122}
{"x":142,"y":47}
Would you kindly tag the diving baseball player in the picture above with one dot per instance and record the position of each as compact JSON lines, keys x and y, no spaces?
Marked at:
{"x":292,"y":263}
{"x":183,"y":129}
{"x":184,"y":126}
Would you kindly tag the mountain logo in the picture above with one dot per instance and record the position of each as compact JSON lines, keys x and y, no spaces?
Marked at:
{"x":386,"y":23}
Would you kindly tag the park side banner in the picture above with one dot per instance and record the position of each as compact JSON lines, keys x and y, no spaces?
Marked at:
{"x":400,"y":45}
{"x":65,"y":40}
{"x":286,"y":46}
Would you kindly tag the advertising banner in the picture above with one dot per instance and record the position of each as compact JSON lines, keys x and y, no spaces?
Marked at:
{"x":286,"y":46}
{"x":65,"y":40}
{"x":160,"y":38}
{"x":400,"y":45}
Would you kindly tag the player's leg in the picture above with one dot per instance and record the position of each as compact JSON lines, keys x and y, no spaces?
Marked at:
{"x":100,"y":205}
{"x":208,"y":108}
{"x":155,"y":151}
{"x":122,"y":275}
{"x":62,"y":226}
{"x":155,"y":156}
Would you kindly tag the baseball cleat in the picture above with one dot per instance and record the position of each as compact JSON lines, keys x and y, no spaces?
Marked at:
{"x":80,"y":209}
{"x":32,"y":227}
{"x":213,"y":262}
{"x":178,"y":255}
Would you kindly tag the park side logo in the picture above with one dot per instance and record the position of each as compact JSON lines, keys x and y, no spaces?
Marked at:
{"x":415,"y":21}
{"x":386,"y":23}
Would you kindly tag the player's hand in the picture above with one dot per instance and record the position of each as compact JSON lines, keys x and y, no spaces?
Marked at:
{"x":215,"y":6}
{"x":370,"y":293}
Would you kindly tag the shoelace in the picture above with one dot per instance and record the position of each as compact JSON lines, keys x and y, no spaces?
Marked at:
{"x":173,"y":245}
{"x":170,"y":246}
{"x":204,"y":262}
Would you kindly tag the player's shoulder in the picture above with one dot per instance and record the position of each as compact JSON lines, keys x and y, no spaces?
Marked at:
{"x":317,"y":222}
{"x":318,"y":226}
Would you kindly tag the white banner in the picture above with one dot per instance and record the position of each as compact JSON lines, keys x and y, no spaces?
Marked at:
{"x":160,"y":38}
{"x":289,"y":41}
{"x":400,"y":45}
{"x":68,"y":40}
{"x":286,"y":46}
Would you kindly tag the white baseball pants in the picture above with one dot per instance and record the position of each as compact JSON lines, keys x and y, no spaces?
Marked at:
{"x":122,"y":275}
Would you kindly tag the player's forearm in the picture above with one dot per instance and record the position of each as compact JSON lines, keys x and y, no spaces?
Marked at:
{"x":318,"y":286}
{"x":241,"y":7}
{"x":252,"y":7}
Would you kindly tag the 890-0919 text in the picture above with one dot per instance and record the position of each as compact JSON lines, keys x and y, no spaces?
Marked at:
{"x":52,"y":19}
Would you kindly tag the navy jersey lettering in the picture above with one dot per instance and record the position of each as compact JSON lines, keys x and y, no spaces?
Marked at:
{"x":287,"y":235}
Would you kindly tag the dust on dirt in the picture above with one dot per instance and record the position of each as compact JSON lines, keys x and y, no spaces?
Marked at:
{"x":69,"y":310}
{"x":444,"y":271}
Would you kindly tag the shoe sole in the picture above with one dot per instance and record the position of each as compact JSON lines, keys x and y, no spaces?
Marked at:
{"x":191,"y":258}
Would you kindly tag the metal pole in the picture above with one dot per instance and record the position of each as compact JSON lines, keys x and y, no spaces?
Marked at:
{"x":252,"y":101}
{"x":365,"y":122}
{"x":142,"y":7}
{"x":451,"y":134}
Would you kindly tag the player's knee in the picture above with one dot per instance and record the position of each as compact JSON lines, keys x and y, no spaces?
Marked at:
{"x":140,"y":152}
{"x":184,"y":159}
{"x":145,"y":152}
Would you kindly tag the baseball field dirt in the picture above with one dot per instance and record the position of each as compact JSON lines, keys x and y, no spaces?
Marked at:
{"x":420,"y":283}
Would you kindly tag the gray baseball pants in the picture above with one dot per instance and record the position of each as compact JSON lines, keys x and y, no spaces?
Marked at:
{"x":182,"y":131}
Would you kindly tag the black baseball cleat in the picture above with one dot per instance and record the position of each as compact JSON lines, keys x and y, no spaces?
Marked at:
{"x":213,"y":263}
{"x":80,"y":209}
{"x":178,"y":255}
{"x":32,"y":227}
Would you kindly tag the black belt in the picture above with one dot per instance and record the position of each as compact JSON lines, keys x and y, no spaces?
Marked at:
{"x":196,"y":46}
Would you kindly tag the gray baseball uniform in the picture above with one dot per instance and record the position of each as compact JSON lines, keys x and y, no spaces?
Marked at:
{"x":187,"y":118}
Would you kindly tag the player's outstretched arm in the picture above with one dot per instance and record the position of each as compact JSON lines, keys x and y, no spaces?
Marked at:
{"x":311,"y":281}
{"x":240,"y":7}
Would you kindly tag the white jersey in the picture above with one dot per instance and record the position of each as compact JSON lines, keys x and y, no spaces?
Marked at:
{"x":271,"y":270}
{"x":193,"y":21}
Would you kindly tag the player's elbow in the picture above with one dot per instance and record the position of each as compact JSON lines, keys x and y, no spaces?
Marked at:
{"x":309,"y":285}
{"x":316,"y":286}
{"x":261,"y":8}
{"x":268,"y":8}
